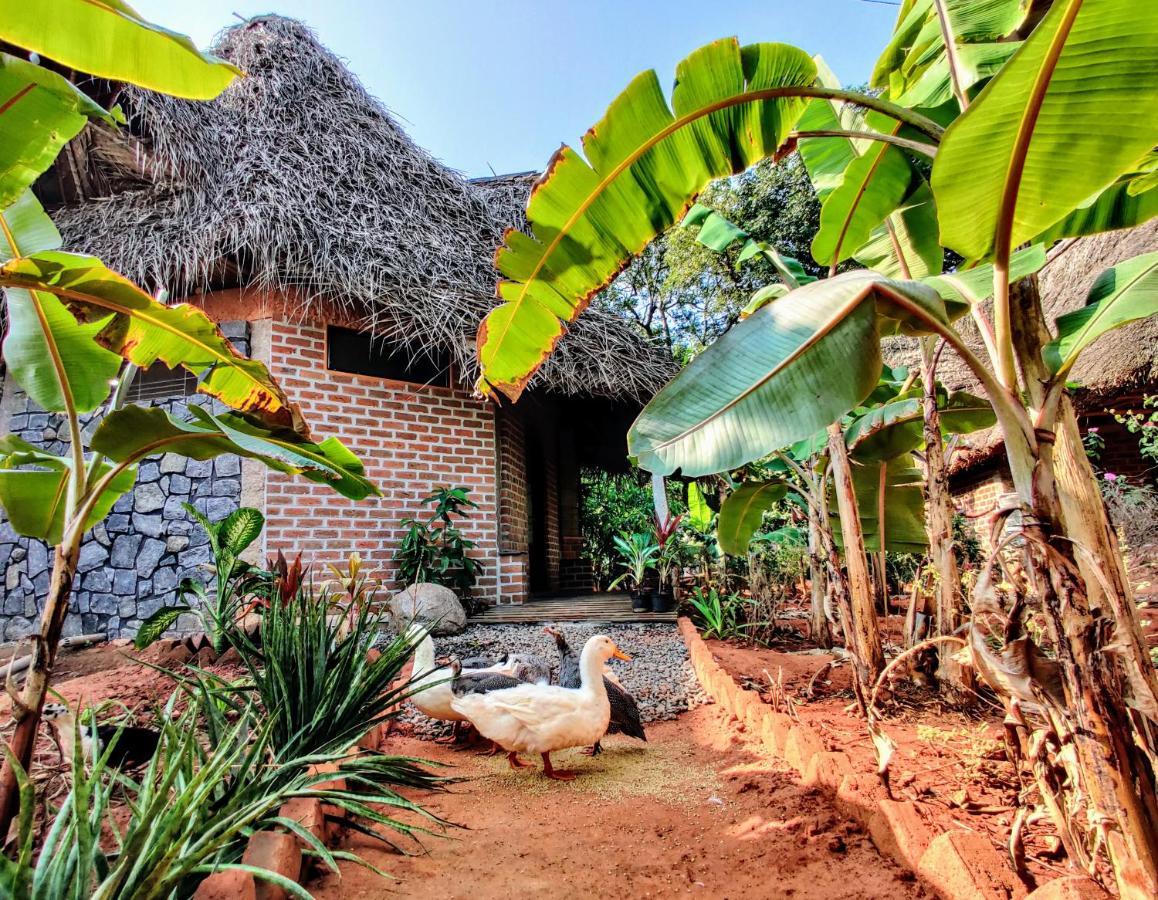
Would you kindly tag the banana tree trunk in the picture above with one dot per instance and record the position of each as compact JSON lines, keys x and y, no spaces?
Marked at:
{"x":27,"y":712}
{"x":862,"y":627}
{"x":1109,"y":708}
{"x":818,"y":620}
{"x":939,"y":524}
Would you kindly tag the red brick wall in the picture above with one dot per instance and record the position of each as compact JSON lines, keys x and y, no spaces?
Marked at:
{"x":411,"y":438}
{"x":975,"y":494}
{"x":514,"y":507}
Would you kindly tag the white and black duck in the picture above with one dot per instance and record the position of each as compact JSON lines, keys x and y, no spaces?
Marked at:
{"x":624,"y":711}
{"x":133,"y":746}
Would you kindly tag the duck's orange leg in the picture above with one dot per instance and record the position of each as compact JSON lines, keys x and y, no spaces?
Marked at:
{"x":516,"y":763}
{"x":550,"y":772}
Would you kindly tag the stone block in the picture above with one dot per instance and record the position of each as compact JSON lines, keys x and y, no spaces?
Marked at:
{"x":125,"y":582}
{"x":900,"y":831}
{"x":148,"y":525}
{"x":149,"y":556}
{"x":92,"y":555}
{"x":125,"y":549}
{"x":1072,"y":887}
{"x":227,"y":466}
{"x":97,"y":580}
{"x":828,"y":770}
{"x":171,"y":463}
{"x":148,"y":472}
{"x":965,"y":865}
{"x":148,"y":498}
{"x":165,"y":580}
{"x":278,"y":852}
{"x":227,"y":885}
{"x":802,"y":744}
{"x":179,"y":484}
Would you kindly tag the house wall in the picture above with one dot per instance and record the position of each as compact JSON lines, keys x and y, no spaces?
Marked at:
{"x":131,"y":563}
{"x":411,"y":438}
{"x":514,"y":507}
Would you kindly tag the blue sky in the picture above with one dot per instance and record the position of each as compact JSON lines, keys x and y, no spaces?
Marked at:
{"x":482,"y":83}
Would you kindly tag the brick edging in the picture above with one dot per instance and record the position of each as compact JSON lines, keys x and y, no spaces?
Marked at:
{"x":956,"y":864}
{"x":281,"y":852}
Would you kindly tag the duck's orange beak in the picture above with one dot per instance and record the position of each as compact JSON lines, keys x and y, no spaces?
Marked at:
{"x":619,"y":654}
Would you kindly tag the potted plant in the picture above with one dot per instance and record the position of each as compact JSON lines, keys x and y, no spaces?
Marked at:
{"x":666,"y":563}
{"x":637,"y":554}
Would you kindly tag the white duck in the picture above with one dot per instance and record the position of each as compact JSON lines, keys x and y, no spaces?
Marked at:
{"x":540,"y":718}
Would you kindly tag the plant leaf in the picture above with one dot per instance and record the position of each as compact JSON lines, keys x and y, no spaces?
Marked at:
{"x":718,"y":233}
{"x":110,"y":40}
{"x":904,"y":506}
{"x":1122,"y":294}
{"x":1042,"y":138}
{"x":34,"y":499}
{"x":40,"y":112}
{"x":138,"y":432}
{"x":49,"y":354}
{"x":742,"y":513}
{"x":143,"y":331}
{"x":241,"y":528}
{"x":645,"y":163}
{"x":898,"y":427}
{"x":906,"y":244}
{"x":975,"y":285}
{"x":157,"y":624}
{"x":777,"y":377}
{"x":1121,"y":205}
{"x":699,"y":513}
{"x":873,"y":186}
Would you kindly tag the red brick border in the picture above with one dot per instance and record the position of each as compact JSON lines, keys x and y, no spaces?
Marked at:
{"x":959,"y":865}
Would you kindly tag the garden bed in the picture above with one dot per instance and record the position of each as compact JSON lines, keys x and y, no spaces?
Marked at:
{"x":949,"y":764}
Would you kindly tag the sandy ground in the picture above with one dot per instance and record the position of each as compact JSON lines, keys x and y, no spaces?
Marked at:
{"x":695,"y":811}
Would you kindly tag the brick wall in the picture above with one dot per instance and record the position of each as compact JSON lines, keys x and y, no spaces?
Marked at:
{"x":975,"y":493}
{"x":514,"y":507}
{"x":412,"y":438}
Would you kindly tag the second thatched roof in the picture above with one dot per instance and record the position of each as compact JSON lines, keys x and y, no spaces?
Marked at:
{"x":1122,"y":363}
{"x":297,"y":180}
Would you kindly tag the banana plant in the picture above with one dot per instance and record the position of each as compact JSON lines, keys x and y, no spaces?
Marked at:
{"x":1055,"y":144}
{"x":77,"y":332}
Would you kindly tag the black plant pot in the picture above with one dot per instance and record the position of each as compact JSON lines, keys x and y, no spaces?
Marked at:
{"x":662,"y":601}
{"x":640,"y":601}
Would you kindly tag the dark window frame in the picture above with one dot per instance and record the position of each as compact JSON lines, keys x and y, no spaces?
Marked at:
{"x":353,"y":352}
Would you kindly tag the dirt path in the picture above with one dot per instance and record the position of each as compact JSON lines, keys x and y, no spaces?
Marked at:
{"x":693,"y":812}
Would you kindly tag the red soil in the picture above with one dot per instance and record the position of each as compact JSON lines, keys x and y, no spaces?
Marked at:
{"x":694,"y":811}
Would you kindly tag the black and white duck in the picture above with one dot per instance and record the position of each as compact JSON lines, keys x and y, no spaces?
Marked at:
{"x":134,"y":746}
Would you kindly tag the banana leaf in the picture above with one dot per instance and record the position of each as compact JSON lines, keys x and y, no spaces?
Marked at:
{"x":109,"y":39}
{"x":742,"y":513}
{"x":1061,"y":121}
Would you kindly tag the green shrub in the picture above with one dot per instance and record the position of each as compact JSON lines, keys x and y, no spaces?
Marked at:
{"x":434,"y":550}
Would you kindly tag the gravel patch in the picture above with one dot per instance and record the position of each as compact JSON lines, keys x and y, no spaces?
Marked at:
{"x":659,"y":677}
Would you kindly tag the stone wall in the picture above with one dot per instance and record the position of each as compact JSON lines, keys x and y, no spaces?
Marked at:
{"x":132,"y":562}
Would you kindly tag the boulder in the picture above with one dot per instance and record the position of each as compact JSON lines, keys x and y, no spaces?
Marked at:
{"x":428,"y":604}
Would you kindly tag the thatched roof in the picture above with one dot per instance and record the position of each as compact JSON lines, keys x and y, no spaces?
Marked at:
{"x":296,"y":179}
{"x":1120,"y":363}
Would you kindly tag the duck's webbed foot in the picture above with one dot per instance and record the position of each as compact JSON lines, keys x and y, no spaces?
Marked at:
{"x":551,"y":773}
{"x":593,"y":750}
{"x":516,"y":763}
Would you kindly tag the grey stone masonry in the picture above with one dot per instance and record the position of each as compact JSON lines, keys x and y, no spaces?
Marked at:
{"x":133,"y":561}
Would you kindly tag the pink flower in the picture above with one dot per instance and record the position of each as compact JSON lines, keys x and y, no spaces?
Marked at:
{"x":1093,"y":430}
{"x":1110,"y":476}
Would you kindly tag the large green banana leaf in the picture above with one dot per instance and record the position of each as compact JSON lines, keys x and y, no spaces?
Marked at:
{"x":49,"y":354}
{"x":136,"y":432}
{"x":905,"y":244}
{"x":109,"y":39}
{"x":916,"y":62}
{"x":34,"y":498}
{"x":1122,"y":294}
{"x":742,"y":513}
{"x":876,"y":207}
{"x":646,"y":162}
{"x":898,"y":427}
{"x":1124,"y":204}
{"x":780,"y":375}
{"x":1062,"y":120}
{"x":975,"y":285}
{"x":40,"y":112}
{"x":143,"y":331}
{"x":904,"y":506}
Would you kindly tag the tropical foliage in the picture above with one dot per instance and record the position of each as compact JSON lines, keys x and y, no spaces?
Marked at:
{"x":1046,"y":137}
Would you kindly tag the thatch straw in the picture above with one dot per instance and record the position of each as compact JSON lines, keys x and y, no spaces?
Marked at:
{"x":297,"y":180}
{"x":1120,"y":363}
